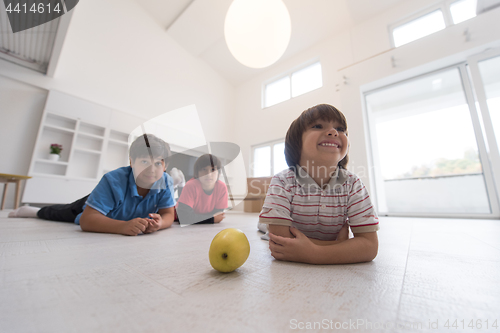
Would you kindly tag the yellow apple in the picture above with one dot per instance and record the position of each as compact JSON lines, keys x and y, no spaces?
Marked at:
{"x":229,"y":250}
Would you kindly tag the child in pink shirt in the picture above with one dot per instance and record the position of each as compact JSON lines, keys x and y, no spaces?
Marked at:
{"x":204,"y":197}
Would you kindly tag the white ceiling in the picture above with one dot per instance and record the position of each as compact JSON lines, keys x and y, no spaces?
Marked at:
{"x":198,"y":26}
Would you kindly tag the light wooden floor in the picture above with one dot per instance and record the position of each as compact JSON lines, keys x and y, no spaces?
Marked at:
{"x":56,"y":278}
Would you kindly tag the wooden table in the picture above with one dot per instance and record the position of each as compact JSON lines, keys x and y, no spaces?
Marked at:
{"x":6,"y":179}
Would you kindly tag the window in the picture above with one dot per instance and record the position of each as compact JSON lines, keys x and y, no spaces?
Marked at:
{"x":278,"y":91}
{"x":463,"y":10}
{"x":432,"y":20}
{"x":484,"y":70}
{"x":268,"y":159}
{"x":293,"y":84}
{"x":428,"y":149}
{"x":416,"y":29}
{"x":490,"y":73}
{"x":279,"y":162}
{"x":306,"y":80}
{"x":262,"y":161}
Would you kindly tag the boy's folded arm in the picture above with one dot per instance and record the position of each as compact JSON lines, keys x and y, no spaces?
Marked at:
{"x":284,"y":231}
{"x":217,"y":211}
{"x":94,"y":221}
{"x":187,"y":215}
{"x":323,"y":242}
{"x":280,"y":230}
{"x":167,"y":217}
{"x":362,"y":248}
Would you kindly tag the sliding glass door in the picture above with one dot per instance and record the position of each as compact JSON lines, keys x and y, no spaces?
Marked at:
{"x":485,"y":74}
{"x":428,"y":148}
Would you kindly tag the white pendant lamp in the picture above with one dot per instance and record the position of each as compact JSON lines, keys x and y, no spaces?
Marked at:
{"x":257,"y":32}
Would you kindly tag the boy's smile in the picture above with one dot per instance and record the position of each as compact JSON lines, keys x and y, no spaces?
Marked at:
{"x":325,"y":143}
{"x":330,"y":143}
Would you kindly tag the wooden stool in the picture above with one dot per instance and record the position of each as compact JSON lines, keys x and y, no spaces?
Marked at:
{"x":6,"y":179}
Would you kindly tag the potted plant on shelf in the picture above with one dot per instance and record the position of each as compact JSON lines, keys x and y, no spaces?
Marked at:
{"x":55,"y":151}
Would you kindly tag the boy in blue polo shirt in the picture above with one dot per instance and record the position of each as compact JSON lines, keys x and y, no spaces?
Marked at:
{"x":129,"y":200}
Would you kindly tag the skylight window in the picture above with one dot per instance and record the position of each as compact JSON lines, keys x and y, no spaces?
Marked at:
{"x":418,"y":28}
{"x":306,"y":80}
{"x":431,"y":20}
{"x":293,"y":84}
{"x":277,"y":91}
{"x":463,"y":10}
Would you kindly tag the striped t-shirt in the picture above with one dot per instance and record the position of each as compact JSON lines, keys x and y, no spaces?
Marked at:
{"x":294,"y":199}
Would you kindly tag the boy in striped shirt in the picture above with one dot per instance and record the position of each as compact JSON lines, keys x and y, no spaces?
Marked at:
{"x":309,"y":206}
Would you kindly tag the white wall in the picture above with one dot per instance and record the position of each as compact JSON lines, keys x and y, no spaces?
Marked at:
{"x":117,"y":56}
{"x":21,"y":108}
{"x":256,"y":125}
{"x":362,"y":55}
{"x":372,"y":36}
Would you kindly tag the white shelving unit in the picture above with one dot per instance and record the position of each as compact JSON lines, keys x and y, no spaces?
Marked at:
{"x":82,"y":143}
{"x":116,"y":154}
{"x":94,"y":140}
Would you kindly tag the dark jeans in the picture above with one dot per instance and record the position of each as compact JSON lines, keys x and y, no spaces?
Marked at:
{"x":63,"y":213}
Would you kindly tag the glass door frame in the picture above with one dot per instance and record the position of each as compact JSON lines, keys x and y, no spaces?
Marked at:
{"x":376,"y":176}
{"x":484,"y":111}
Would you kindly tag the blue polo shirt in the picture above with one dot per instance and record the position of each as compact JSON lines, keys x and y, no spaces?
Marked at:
{"x":116,"y":196}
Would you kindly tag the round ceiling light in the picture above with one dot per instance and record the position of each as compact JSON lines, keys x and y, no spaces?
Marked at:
{"x":257,"y":32}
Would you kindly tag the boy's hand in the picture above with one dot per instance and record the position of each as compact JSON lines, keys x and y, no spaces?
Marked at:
{"x":299,"y":249}
{"x":219,"y":217}
{"x":134,"y":227}
{"x":154,"y":223}
{"x":343,"y":233}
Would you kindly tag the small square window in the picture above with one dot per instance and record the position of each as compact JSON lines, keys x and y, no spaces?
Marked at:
{"x":463,"y":10}
{"x":293,"y":84}
{"x":306,"y":80}
{"x":418,"y":28}
{"x":278,"y":91}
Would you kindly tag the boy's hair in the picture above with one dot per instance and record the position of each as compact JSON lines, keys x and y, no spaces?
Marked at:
{"x":149,"y":145}
{"x":293,"y":140}
{"x":206,"y":160}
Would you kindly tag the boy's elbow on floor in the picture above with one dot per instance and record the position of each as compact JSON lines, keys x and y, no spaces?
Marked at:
{"x":369,"y":249}
{"x":83,"y":224}
{"x":372,"y":253}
